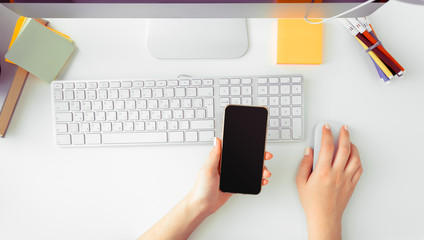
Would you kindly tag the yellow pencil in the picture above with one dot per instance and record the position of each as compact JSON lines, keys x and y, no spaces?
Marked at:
{"x":377,"y":60}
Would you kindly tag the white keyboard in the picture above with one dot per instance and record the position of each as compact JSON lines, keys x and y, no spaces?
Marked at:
{"x":170,"y":111}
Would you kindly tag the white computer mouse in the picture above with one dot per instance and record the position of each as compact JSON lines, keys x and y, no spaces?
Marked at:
{"x":317,"y":136}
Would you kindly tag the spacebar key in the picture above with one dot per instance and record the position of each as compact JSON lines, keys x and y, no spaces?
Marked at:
{"x":154,"y":137}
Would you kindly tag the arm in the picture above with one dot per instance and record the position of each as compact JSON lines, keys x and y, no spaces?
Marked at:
{"x":325,"y":192}
{"x":203,"y":200}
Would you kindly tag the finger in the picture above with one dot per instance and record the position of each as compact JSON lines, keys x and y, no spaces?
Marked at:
{"x":268,"y":156}
{"x":214,"y":155}
{"x":354,"y":161}
{"x":266,"y":173}
{"x":325,"y":157}
{"x":264,"y":182}
{"x":357,"y":175}
{"x":343,"y":151}
{"x":305,"y":167}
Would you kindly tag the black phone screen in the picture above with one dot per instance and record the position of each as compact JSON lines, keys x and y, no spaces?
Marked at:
{"x":243,"y":149}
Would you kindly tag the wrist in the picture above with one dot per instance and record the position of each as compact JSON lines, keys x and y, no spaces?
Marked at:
{"x":324,"y":228}
{"x":195,"y":207}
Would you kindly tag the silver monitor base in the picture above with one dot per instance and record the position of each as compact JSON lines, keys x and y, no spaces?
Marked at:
{"x":197,"y":38}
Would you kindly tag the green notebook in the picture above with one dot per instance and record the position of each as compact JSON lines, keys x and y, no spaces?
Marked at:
{"x":40,"y":51}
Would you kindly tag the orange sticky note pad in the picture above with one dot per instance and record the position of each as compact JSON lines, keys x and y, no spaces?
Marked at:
{"x":299,"y":42}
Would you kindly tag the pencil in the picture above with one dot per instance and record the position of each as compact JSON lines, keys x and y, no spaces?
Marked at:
{"x":377,"y":61}
{"x":382,"y":49}
{"x":395,"y":69}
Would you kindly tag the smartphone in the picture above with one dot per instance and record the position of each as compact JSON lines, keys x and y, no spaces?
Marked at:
{"x":243,"y":149}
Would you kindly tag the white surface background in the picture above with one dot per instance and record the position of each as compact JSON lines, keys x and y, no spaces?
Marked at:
{"x":118,"y":192}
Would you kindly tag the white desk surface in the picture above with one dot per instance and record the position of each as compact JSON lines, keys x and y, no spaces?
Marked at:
{"x":118,"y":192}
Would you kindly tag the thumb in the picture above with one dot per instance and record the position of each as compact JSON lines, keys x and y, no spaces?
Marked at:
{"x":214,"y":155}
{"x":305,"y":168}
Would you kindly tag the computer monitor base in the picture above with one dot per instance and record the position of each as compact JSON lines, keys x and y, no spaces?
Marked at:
{"x":197,"y":38}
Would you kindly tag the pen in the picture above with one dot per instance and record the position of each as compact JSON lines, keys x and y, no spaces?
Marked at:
{"x":398,"y":69}
{"x":377,"y":60}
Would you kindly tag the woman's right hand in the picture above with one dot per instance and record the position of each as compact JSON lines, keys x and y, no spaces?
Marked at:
{"x":325,"y":191}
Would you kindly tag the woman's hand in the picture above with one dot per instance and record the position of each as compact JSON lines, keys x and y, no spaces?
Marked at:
{"x":205,"y":195}
{"x":325,"y":191}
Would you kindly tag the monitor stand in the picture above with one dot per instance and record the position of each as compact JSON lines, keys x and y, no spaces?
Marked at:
{"x":197,"y":38}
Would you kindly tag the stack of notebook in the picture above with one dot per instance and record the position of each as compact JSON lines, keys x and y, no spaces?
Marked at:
{"x":34,"y":48}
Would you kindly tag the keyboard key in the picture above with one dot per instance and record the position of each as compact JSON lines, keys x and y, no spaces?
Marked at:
{"x":273,"y":112}
{"x":172,"y":125}
{"x":73,"y":127}
{"x":297,"y":128}
{"x":138,"y":84}
{"x":106,"y":127}
{"x":285,"y":122}
{"x":191,"y":136}
{"x":285,"y":89}
{"x":235,"y":101}
{"x":274,"y":122}
{"x":150,"y":126}
{"x":69,"y":85}
{"x":297,"y":100}
{"x":183,"y":125}
{"x":161,"y":125}
{"x":285,"y":111}
{"x":246,"y":81}
{"x":235,"y":91}
{"x":273,"y":101}
{"x":285,"y":134}
{"x":273,"y":135}
{"x":63,"y":139}
{"x":273,"y":90}
{"x":92,"y":85}
{"x":207,"y":82}
{"x":206,"y":136}
{"x":191,"y":92}
{"x":246,"y":101}
{"x":122,"y":138}
{"x":285,"y":79}
{"x":78,"y":139}
{"x":117,"y":127}
{"x":262,"y":80}
{"x":297,"y":111}
{"x":197,"y":103}
{"x":235,"y":80}
{"x":224,"y":81}
{"x":224,"y":102}
{"x":224,"y":91}
{"x":61,"y":128}
{"x":61,"y":106}
{"x":139,"y":126}
{"x":135,"y":93}
{"x":63,"y":117}
{"x":205,"y":92}
{"x":176,"y":136}
{"x":296,"y":89}
{"x":262,"y":90}
{"x":208,"y":102}
{"x":285,"y":100}
{"x":80,"y":85}
{"x":128,"y":126}
{"x":202,"y":124}
{"x":149,"y":83}
{"x":273,"y":80}
{"x":262,"y":101}
{"x":246,"y":90}
{"x":196,"y":82}
{"x":296,"y":79}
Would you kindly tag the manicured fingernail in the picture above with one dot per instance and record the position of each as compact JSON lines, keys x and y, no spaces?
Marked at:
{"x":307,"y":151}
{"x":214,"y":141}
{"x":327,"y":126}
{"x":346,"y":128}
